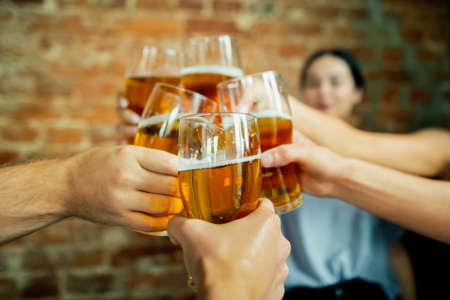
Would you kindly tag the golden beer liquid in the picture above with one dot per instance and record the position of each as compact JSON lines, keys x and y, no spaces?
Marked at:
{"x":138,"y":88}
{"x":221,"y":193}
{"x":281,"y":185}
{"x":158,"y":132}
{"x":204,"y":79}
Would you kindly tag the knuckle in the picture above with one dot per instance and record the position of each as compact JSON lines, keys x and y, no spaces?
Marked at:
{"x":123,"y":152}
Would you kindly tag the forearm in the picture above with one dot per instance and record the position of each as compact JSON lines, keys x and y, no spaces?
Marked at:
{"x":419,"y":204}
{"x":32,"y":196}
{"x":424,"y":153}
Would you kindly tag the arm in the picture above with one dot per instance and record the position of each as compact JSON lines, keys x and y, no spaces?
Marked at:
{"x":419,"y":204}
{"x":426,"y":152}
{"x":32,"y":196}
{"x":125,"y":186}
{"x":243,"y":259}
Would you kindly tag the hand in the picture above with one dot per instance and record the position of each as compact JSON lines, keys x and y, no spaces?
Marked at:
{"x":319,"y":166}
{"x":243,"y":259}
{"x":130,"y":119}
{"x":129,"y":186}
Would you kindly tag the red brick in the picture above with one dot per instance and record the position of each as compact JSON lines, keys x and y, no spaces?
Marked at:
{"x":128,"y":256}
{"x":5,"y":16}
{"x":392,"y":55}
{"x":65,"y":135}
{"x":8,"y":288}
{"x":325,"y":12}
{"x":357,"y":14}
{"x":151,"y":27}
{"x":19,"y":133}
{"x":366,"y":54}
{"x":103,"y":114}
{"x":390,"y":95}
{"x":210,"y":26}
{"x":41,"y":286}
{"x":292,"y":50}
{"x":413,"y":35}
{"x":301,"y":30}
{"x":190,"y":4}
{"x":155,"y":5}
{"x":36,"y":260}
{"x":427,"y":55}
{"x":99,"y":283}
{"x":420,"y":96}
{"x":347,"y":33}
{"x":227,"y":6}
{"x":41,"y":111}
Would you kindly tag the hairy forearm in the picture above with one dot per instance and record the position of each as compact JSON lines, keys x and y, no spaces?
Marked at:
{"x":424,"y":153}
{"x":32,"y":196}
{"x":419,"y":204}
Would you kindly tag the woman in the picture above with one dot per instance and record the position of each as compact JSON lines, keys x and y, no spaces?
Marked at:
{"x":338,"y":250}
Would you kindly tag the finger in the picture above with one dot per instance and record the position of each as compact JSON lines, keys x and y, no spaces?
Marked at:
{"x":143,"y":222}
{"x":157,"y":161}
{"x":128,"y":116}
{"x":154,"y":183}
{"x":281,"y":156}
{"x":156,"y":205}
{"x":126,"y":130}
{"x":122,"y":101}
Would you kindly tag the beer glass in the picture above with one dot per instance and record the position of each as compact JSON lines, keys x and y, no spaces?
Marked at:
{"x":265,"y":96}
{"x":158,"y":127}
{"x":148,"y":66}
{"x":209,"y":61}
{"x":219,"y":169}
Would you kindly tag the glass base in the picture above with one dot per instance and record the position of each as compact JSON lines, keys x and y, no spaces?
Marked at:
{"x":290,"y":206}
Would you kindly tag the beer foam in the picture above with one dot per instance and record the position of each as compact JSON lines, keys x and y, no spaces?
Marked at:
{"x":193,"y":164}
{"x":215,"y":69}
{"x":271,"y":114}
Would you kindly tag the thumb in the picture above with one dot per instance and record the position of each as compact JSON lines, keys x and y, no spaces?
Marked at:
{"x":279,"y":156}
{"x":263,"y":211}
{"x":175,"y":230}
{"x":184,"y":232}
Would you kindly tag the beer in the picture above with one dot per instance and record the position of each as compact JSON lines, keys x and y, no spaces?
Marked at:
{"x":139,"y":87}
{"x":220,"y":192}
{"x":281,"y":185}
{"x":204,"y":79}
{"x":158,"y":132}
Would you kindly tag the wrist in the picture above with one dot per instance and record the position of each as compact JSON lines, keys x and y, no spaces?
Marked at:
{"x":343,"y":179}
{"x":68,"y":184}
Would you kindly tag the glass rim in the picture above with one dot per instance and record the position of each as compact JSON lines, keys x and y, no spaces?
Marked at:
{"x":172,"y":87}
{"x":157,"y":47}
{"x":211,"y":37}
{"x":245,"y":77}
{"x":248,"y":116}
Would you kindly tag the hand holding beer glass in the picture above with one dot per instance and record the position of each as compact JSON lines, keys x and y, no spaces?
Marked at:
{"x":158,"y":127}
{"x":208,"y":61}
{"x":148,"y":66}
{"x":219,"y":169}
{"x":265,"y":96}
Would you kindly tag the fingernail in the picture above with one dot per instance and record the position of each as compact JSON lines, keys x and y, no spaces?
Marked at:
{"x":135,"y":119}
{"x":173,"y":241}
{"x":266,"y":159}
{"x":123,"y":103}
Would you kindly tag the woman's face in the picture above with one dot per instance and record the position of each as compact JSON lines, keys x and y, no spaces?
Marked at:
{"x":330,"y":87}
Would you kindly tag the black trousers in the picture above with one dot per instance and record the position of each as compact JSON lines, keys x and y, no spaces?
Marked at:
{"x":355,"y":289}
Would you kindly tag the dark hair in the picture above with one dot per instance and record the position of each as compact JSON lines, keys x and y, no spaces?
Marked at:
{"x":345,"y":56}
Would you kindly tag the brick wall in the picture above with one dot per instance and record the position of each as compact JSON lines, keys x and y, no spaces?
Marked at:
{"x":62,"y":61}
